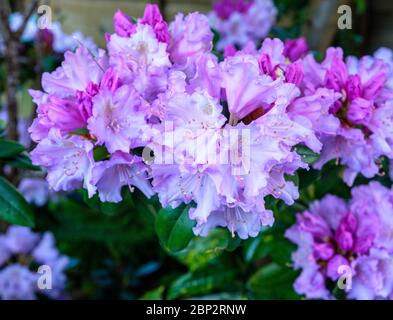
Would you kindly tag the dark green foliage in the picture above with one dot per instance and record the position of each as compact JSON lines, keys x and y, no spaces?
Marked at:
{"x":13,"y":207}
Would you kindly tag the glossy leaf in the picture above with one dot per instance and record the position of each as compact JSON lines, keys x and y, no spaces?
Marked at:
{"x":13,"y":207}
{"x":273,"y":282}
{"x":174,"y":228}
{"x":307,"y":154}
{"x":22,"y":161}
{"x":9,"y":148}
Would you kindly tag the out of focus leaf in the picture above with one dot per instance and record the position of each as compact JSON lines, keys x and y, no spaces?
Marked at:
{"x":72,"y":220}
{"x":203,"y":250}
{"x":221,"y":296}
{"x":360,"y":6}
{"x":13,"y":207}
{"x":281,"y":250}
{"x":331,"y":181}
{"x":49,"y":63}
{"x":22,"y":161}
{"x":307,"y":177}
{"x":156,"y":294}
{"x":9,"y":148}
{"x":258,"y":248}
{"x":272,"y":282}
{"x":81,"y":131}
{"x":271,"y":244}
{"x":202,"y":281}
{"x":3,"y":127}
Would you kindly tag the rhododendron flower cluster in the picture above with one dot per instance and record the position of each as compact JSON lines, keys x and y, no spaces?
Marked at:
{"x":333,"y":234}
{"x":160,"y":88}
{"x":239,"y":22}
{"x":22,"y":252}
{"x":363,"y":110}
{"x":35,"y":190}
{"x":347,"y":103}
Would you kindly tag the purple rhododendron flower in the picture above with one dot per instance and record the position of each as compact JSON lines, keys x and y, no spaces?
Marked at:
{"x":121,"y":170}
{"x":69,"y":161}
{"x":116,"y":120}
{"x":241,"y":21}
{"x":362,"y":136}
{"x":245,"y":87}
{"x":35,"y":190}
{"x":123,"y":25}
{"x":191,"y":37}
{"x":153,"y":17}
{"x":20,"y":239}
{"x":17,"y":280}
{"x":230,"y":194}
{"x":162,"y":89}
{"x":224,"y":8}
{"x":333,"y":234}
{"x":295,"y":49}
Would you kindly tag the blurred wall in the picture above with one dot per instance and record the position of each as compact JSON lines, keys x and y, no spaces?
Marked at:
{"x":380,"y":24}
{"x":94,"y":17}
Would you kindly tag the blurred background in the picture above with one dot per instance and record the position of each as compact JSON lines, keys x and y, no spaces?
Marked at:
{"x":373,"y":18}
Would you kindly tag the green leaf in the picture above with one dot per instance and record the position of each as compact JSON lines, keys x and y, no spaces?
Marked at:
{"x":294,"y":178}
{"x":282,"y":250}
{"x":221,"y":296}
{"x":49,"y":63}
{"x":155,"y":294}
{"x":273,"y":282}
{"x":9,"y":148}
{"x":107,"y":208}
{"x":331,"y":181}
{"x":307,"y":154}
{"x":73,"y":220}
{"x":203,"y":250}
{"x":307,"y":177}
{"x":3,"y":127}
{"x":22,"y":161}
{"x":360,"y":6}
{"x":257,"y":248}
{"x":13,"y":207}
{"x":174,"y":228}
{"x":100,"y":153}
{"x":81,"y":131}
{"x":270,"y":245}
{"x":202,"y":282}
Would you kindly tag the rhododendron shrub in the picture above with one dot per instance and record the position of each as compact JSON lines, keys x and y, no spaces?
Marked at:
{"x":231,"y":144}
{"x":156,"y":80}
{"x":22,"y":254}
{"x":333,"y":234}
{"x":241,"y":22}
{"x":363,"y":135}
